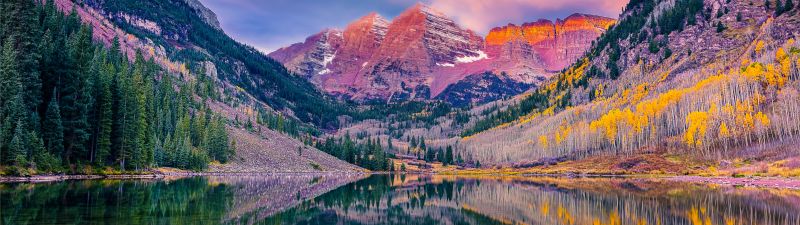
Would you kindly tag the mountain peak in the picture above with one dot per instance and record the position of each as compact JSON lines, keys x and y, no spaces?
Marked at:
{"x":371,"y":16}
{"x":424,"y":9}
{"x":372,"y":19}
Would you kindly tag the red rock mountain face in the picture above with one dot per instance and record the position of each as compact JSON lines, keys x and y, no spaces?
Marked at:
{"x":543,"y":47}
{"x":422,"y":51}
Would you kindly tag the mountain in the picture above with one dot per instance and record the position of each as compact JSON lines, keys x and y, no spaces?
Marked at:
{"x":373,"y":58}
{"x":421,"y":52}
{"x":705,"y":80}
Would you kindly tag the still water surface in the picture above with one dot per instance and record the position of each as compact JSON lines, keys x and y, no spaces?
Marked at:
{"x":394,"y":199}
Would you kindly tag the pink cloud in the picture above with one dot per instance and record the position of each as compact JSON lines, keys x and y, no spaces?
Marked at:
{"x":482,"y":15}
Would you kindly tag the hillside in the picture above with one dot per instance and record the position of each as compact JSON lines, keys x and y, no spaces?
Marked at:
{"x":255,"y":93}
{"x":127,"y":86}
{"x":710,"y":79}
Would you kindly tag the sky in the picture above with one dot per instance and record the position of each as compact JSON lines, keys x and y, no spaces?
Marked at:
{"x":272,"y":24}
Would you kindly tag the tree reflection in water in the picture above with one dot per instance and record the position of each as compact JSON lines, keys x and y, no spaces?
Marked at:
{"x":537,"y":200}
{"x":394,"y":199}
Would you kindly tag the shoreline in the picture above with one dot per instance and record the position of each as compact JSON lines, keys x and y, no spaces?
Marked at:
{"x":759,"y":182}
{"x":152,"y":176}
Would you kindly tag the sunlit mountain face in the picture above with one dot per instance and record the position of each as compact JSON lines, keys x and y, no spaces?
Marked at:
{"x":426,"y":47}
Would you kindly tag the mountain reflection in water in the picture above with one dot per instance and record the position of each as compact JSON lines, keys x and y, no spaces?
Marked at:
{"x":394,"y":199}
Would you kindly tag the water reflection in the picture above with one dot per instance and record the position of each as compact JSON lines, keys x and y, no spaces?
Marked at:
{"x":532,"y":200}
{"x":394,"y":199}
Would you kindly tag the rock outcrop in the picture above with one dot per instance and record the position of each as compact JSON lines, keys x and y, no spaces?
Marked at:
{"x":206,"y":14}
{"x":543,"y":46}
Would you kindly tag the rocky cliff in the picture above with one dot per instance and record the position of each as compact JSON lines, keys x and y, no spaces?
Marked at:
{"x":543,"y":44}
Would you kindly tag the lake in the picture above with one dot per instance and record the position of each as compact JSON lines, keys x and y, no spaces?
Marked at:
{"x":394,"y":199}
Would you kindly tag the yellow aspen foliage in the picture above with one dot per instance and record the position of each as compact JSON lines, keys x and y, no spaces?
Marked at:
{"x":697,"y":123}
{"x":754,"y":71}
{"x":771,"y":77}
{"x":759,"y":47}
{"x":608,"y":123}
{"x":563,"y":133}
{"x":780,"y":54}
{"x":757,"y":99}
{"x":598,"y":92}
{"x":730,"y":221}
{"x":528,"y":119}
{"x":727,"y":109}
{"x":549,"y":111}
{"x":639,"y":93}
{"x":784,"y":61}
{"x":762,"y":119}
{"x":663,"y":77}
{"x":713,"y":110}
{"x":543,"y":141}
{"x":723,"y":130}
{"x":749,"y":121}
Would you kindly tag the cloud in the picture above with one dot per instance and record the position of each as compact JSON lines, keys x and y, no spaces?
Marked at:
{"x":482,"y":15}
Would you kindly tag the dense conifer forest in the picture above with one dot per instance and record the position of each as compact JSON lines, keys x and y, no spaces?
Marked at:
{"x":73,"y":105}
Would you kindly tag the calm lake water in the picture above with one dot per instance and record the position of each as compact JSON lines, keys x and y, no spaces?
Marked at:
{"x":393,"y":199}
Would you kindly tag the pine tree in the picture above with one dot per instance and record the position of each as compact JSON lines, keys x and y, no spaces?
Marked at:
{"x":53,"y":134}
{"x":141,"y":148}
{"x":720,"y":27}
{"x":449,"y":155}
{"x":104,"y":115}
{"x":20,"y":29}
{"x":379,"y":156}
{"x":440,"y":156}
{"x":40,"y":158}
{"x":9,"y":90}
{"x":18,"y":149}
{"x":75,"y":97}
{"x":217,"y":142}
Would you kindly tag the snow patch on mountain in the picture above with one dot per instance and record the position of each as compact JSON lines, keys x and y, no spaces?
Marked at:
{"x":468,"y":59}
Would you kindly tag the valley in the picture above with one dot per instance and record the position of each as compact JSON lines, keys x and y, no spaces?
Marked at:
{"x":408,"y":112}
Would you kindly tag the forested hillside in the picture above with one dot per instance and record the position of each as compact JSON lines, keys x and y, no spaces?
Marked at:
{"x":74,"y":105}
{"x":711,"y":79}
{"x":186,"y":37}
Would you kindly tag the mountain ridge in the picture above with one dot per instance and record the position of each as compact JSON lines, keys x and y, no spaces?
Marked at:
{"x":422,"y":53}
